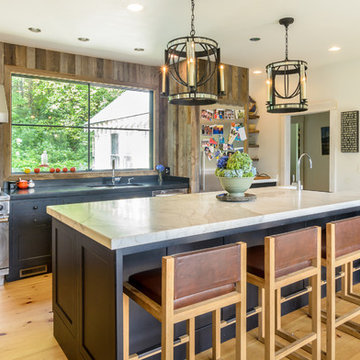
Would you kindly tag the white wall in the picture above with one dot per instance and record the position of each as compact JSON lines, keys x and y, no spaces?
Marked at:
{"x":337,"y":83}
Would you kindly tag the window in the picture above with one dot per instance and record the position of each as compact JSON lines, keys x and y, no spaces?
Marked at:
{"x":81,"y":125}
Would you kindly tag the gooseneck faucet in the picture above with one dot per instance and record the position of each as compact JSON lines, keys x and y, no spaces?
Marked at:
{"x":298,"y":179}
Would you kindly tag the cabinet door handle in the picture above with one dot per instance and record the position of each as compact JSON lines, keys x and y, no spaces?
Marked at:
{"x":35,"y":220}
{"x":35,"y":207}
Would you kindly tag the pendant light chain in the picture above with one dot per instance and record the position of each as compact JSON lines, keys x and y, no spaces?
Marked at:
{"x":192,"y":32}
{"x":286,"y":42}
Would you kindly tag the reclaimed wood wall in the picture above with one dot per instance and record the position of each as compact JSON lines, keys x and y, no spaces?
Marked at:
{"x":182,"y":143}
{"x":177,"y":129}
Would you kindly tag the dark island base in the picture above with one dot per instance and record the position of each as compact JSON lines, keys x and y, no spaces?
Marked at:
{"x":87,"y":289}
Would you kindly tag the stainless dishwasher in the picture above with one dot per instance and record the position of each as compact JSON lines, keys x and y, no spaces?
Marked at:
{"x":4,"y":236}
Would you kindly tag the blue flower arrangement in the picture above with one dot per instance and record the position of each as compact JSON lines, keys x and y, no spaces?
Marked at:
{"x":238,"y":164}
{"x":160,"y":168}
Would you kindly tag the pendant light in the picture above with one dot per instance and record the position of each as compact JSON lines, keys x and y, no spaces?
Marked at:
{"x":190,"y":63}
{"x":286,"y":81}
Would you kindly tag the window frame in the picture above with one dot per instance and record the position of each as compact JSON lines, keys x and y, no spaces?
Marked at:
{"x":153,"y":131}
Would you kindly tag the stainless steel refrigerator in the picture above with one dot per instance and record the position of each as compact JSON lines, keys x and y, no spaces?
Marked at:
{"x":208,"y":179}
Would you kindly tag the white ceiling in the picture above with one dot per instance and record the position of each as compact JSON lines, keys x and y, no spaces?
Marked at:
{"x":115,"y":31}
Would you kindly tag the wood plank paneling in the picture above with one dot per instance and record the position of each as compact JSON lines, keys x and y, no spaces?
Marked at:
{"x":183,"y":142}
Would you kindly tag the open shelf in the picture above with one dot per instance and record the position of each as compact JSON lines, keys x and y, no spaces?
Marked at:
{"x":253,"y":117}
{"x":253,"y":146}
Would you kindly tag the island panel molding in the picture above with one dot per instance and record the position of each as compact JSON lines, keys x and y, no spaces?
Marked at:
{"x":42,"y":62}
{"x":350,"y":131}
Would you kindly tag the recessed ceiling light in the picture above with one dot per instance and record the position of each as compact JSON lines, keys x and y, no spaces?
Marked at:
{"x":255,"y":39}
{"x":257,"y":72}
{"x":34,"y":30}
{"x":135,"y":7}
{"x":83,"y":39}
{"x":139,"y":49}
{"x":334,"y":48}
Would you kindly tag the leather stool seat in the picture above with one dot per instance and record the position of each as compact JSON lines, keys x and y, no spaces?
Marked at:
{"x":256,"y":263}
{"x":149,"y":283}
{"x":342,"y":248}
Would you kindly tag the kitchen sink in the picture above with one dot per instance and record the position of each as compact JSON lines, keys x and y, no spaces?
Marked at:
{"x":107,"y":186}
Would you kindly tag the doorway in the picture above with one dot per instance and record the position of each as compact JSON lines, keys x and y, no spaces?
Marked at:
{"x":311,"y":134}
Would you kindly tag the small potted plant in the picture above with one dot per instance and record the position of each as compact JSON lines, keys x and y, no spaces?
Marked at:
{"x":235,"y":173}
{"x":160,"y":169}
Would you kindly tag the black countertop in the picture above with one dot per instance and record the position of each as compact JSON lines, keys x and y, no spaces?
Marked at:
{"x":75,"y":187}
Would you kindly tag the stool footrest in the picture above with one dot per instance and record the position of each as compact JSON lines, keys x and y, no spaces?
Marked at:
{"x":296,"y":345}
{"x":340,"y":275}
{"x":350,"y":327}
{"x":346,"y":317}
{"x":291,"y":338}
{"x":252,"y":312}
{"x":293,"y":356}
{"x":294,"y":295}
{"x":157,"y":350}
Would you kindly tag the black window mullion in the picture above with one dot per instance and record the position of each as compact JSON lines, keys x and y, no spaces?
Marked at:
{"x":89,"y":138}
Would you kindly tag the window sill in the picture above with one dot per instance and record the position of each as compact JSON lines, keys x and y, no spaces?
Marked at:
{"x":79,"y":174}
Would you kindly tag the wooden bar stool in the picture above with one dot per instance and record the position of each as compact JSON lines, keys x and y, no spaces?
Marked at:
{"x":188,"y":285}
{"x":284,"y":260}
{"x":340,"y":249}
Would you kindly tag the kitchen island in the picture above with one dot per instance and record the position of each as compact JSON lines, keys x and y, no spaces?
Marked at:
{"x":96,"y":246}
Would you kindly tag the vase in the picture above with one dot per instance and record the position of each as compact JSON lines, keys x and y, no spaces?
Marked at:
{"x":236,"y":186}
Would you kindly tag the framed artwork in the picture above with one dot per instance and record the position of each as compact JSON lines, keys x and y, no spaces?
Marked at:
{"x":350,"y":132}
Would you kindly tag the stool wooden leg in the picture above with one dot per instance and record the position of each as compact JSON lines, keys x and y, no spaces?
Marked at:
{"x":330,"y":292}
{"x":270,"y":299}
{"x":167,"y":340}
{"x":315,"y":296}
{"x":190,"y":346}
{"x":350,"y":270}
{"x":167,"y":304}
{"x":278,"y":309}
{"x":345,"y":280}
{"x":240,"y":352}
{"x":261,"y":316}
{"x":216,"y":334}
{"x":126,"y":327}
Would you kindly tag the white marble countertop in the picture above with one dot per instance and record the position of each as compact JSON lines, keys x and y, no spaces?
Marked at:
{"x":124,"y":223}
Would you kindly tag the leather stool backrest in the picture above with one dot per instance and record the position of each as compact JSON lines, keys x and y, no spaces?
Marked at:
{"x":347,"y":236}
{"x":206,"y":270}
{"x":295,"y":250}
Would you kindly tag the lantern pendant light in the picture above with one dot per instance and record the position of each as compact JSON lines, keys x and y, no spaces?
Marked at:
{"x":191,"y":62}
{"x":290,"y":77}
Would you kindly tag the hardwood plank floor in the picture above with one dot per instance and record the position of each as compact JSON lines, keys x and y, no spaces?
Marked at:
{"x":26,"y":326}
{"x":26,"y":321}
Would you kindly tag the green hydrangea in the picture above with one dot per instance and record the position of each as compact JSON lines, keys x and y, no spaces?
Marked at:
{"x":238,"y":165}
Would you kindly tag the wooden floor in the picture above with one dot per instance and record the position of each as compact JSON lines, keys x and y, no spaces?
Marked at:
{"x":26,"y":326}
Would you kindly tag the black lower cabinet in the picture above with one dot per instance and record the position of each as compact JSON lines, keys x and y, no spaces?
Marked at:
{"x":30,"y":238}
{"x":84,"y":299}
{"x":30,"y":231}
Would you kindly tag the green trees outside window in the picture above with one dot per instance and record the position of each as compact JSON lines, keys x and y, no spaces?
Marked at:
{"x":74,"y":123}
